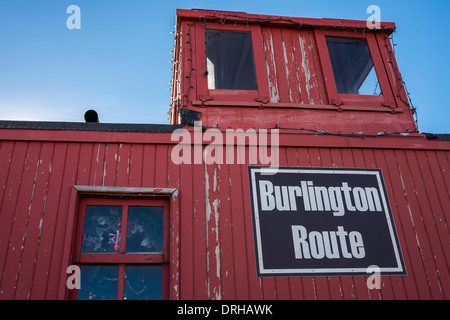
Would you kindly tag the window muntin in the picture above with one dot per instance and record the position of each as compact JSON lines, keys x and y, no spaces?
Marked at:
{"x":230,"y":61}
{"x":122,"y":249}
{"x":352,"y":64}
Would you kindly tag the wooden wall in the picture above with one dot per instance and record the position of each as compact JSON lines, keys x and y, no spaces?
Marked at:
{"x":213,"y":255}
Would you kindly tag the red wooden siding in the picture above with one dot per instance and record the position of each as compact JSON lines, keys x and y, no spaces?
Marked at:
{"x":212,"y":252}
{"x":293,"y":74}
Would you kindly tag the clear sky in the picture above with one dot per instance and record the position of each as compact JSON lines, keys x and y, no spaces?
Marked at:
{"x":118,"y":63}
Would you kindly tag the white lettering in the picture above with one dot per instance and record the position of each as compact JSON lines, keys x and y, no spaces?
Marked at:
{"x":216,"y":147}
{"x":282,"y":198}
{"x":357,"y":245}
{"x":374,"y":281}
{"x":325,"y":244}
{"x":346,"y":189}
{"x":267,"y":199}
{"x":337,"y":199}
{"x":336,"y":203}
{"x":360,"y":199}
{"x":73,"y":281}
{"x":316,"y":243}
{"x":74,"y":21}
{"x":373,"y":199}
{"x":374,"y":21}
{"x":181,"y":153}
{"x":300,"y":245}
{"x":246,"y":309}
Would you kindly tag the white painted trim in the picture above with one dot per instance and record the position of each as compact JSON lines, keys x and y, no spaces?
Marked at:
{"x":124,"y":190}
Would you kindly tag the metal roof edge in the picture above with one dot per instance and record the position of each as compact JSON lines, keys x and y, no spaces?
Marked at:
{"x":82,"y":126}
{"x":438,"y":136}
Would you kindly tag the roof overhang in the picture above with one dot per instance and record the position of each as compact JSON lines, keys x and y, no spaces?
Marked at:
{"x":242,"y":17}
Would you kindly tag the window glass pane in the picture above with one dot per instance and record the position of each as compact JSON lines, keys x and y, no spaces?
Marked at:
{"x":145,"y":229}
{"x":98,"y":282}
{"x":352,"y":64}
{"x":143,"y":282}
{"x":101,"y":231}
{"x":230,"y":62}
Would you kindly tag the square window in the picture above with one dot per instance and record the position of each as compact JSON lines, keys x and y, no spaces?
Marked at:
{"x":354,"y":71}
{"x":229,"y":60}
{"x":98,"y":282}
{"x":145,"y":229}
{"x":352,"y":65}
{"x":101,"y":232}
{"x":143,"y":282}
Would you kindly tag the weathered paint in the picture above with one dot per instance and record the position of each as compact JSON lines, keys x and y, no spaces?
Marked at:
{"x":212,"y":250}
{"x":44,"y":172}
{"x":291,"y":77}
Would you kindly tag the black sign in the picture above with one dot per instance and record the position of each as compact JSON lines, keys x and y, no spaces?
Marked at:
{"x":322,"y":221}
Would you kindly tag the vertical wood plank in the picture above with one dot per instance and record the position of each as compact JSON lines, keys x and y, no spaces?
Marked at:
{"x":270,"y":64}
{"x":198,"y":184}
{"x":22,"y":211}
{"x":280,"y":65}
{"x":136,"y":165}
{"x":69,"y":179}
{"x":45,"y":253}
{"x":36,"y":218}
{"x":123,"y":165}
{"x":173,"y":181}
{"x":290,"y":65}
{"x":242,"y":249}
{"x":417,"y":218}
{"x":415,"y":284}
{"x":227,"y":256}
{"x":427,"y":191}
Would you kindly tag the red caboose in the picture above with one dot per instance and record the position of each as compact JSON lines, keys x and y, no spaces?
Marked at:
{"x":292,"y":168}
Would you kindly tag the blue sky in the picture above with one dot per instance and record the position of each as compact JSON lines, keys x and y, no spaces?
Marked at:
{"x":118,"y":63}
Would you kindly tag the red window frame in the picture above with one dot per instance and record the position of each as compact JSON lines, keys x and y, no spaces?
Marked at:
{"x":222,"y":95}
{"x":384,"y":100}
{"x":122,"y":258}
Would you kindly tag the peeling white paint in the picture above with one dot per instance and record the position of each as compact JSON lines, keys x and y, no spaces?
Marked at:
{"x":299,"y":87}
{"x":104,"y":166}
{"x":40,"y":225}
{"x":273,"y":90}
{"x":212,"y":206}
{"x":98,"y":151}
{"x":286,"y":61}
{"x":305,"y":68}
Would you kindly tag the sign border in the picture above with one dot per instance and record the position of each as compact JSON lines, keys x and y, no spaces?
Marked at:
{"x":263,"y":272}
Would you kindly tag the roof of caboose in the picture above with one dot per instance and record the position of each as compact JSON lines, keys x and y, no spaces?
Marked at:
{"x":242,"y":17}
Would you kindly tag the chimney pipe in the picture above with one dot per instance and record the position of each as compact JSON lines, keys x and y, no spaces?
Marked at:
{"x":91,"y":116}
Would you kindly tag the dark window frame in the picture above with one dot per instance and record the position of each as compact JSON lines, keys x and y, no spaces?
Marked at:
{"x":355,"y":100}
{"x":230,"y":60}
{"x":205,"y":94}
{"x":122,"y":258}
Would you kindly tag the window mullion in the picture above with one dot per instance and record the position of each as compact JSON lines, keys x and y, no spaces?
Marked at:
{"x":121,"y":282}
{"x":123,"y":229}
